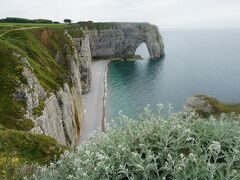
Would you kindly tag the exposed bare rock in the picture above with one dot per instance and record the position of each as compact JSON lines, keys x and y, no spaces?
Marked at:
{"x":62,"y":111}
{"x":200,"y":105}
{"x":123,"y":39}
{"x":31,"y":92}
{"x":62,"y":114}
{"x":84,"y":55}
{"x":62,"y":117}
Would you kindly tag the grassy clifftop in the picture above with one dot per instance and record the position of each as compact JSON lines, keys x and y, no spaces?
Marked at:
{"x":47,"y":50}
{"x":220,"y":107}
{"x":19,"y":151}
{"x":40,"y":46}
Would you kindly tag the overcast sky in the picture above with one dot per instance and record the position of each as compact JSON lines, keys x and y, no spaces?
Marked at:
{"x":164,"y":13}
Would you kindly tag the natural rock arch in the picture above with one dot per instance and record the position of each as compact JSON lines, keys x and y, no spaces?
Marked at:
{"x":123,"y":39}
{"x":142,"y":50}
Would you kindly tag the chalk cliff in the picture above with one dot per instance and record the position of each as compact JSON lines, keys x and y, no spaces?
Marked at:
{"x":62,"y":111}
{"x":83,"y":53}
{"x":122,"y":40}
{"x":50,"y":69}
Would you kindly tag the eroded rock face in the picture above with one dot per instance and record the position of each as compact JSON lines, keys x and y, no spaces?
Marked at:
{"x":83,"y":53}
{"x":123,"y":39}
{"x":200,"y":105}
{"x":31,"y":92}
{"x":62,"y":117}
{"x":62,"y":114}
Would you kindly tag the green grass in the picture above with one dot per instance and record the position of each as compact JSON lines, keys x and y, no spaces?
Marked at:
{"x":29,"y":147}
{"x":41,"y":52}
{"x":19,"y":151}
{"x":9,"y":26}
{"x":40,"y":55}
{"x":39,"y":46}
{"x":39,"y":109}
{"x":11,"y":111}
{"x":220,"y":107}
{"x":156,"y":147}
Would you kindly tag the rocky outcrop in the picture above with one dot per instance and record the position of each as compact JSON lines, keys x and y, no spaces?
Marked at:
{"x":83,"y":53}
{"x":62,"y":112}
{"x":31,"y":92}
{"x":122,"y":40}
{"x":61,"y":117}
{"x":200,"y":105}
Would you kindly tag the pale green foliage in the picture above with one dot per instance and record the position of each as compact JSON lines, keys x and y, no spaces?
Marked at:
{"x":156,"y":147}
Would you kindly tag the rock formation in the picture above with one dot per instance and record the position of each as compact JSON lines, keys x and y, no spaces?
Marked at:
{"x":58,"y":112}
{"x":122,"y":40}
{"x":62,"y":113}
{"x":200,"y":105}
{"x":83,"y":53}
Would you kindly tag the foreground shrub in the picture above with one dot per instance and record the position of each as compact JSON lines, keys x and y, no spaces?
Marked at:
{"x":20,"y":151}
{"x":13,"y":168}
{"x":156,"y":147}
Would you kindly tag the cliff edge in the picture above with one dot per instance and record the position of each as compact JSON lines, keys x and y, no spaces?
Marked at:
{"x":45,"y":71}
{"x":122,"y":39}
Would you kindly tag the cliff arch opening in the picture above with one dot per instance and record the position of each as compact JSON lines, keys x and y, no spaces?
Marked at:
{"x":142,"y":50}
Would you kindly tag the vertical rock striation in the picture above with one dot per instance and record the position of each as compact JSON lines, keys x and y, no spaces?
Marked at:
{"x":83,"y":53}
{"x":122,"y":40}
{"x":62,"y":111}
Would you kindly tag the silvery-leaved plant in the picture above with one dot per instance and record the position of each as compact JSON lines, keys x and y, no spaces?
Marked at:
{"x":155,"y":146}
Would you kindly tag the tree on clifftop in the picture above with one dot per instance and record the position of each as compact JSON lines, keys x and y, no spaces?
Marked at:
{"x":67,"y":21}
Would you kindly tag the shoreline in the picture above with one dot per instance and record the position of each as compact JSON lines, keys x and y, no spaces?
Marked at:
{"x":94,"y":102}
{"x":133,"y":58}
{"x":104,"y":120}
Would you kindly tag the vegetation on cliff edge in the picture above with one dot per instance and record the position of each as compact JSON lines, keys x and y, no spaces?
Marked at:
{"x":156,"y":147}
{"x":19,"y":151}
{"x":220,"y":107}
{"x":47,"y":49}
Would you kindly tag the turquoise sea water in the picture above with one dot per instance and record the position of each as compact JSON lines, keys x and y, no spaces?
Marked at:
{"x":197,"y":61}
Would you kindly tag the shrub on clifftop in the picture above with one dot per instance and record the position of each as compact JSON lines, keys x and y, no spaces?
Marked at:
{"x":19,"y":151}
{"x":156,"y":147}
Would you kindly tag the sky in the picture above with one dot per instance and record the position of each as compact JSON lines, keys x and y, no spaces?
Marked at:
{"x":164,"y":13}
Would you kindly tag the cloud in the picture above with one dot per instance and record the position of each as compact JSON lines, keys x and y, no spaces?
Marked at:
{"x":165,"y":13}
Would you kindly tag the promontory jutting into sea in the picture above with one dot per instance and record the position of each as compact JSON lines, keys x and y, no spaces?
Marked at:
{"x":120,"y":90}
{"x":196,"y":62}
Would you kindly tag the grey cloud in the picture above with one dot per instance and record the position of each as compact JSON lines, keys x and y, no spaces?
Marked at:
{"x":165,"y":13}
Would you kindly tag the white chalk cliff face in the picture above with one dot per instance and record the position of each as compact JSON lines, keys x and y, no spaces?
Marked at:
{"x":83,"y":53}
{"x":62,"y":113}
{"x":123,"y":39}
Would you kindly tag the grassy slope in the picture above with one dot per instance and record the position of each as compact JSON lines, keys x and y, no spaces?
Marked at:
{"x":20,"y":151}
{"x":11,"y":77}
{"x":10,"y":26}
{"x":220,"y":107}
{"x":29,"y":147}
{"x":39,"y":46}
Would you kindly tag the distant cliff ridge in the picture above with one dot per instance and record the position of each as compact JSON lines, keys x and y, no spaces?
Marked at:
{"x":122,"y":40}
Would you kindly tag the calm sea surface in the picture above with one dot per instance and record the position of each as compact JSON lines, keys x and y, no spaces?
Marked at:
{"x":197,"y":61}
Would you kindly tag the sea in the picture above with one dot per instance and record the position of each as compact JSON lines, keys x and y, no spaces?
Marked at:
{"x":196,"y":62}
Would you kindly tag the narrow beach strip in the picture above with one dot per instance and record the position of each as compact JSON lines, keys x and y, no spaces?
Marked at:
{"x":95,"y":101}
